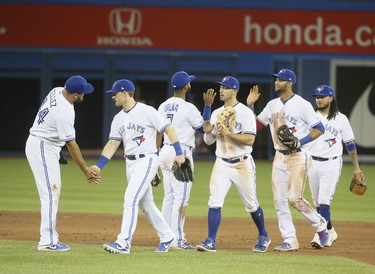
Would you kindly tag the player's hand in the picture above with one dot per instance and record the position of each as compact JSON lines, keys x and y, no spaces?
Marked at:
{"x":253,"y":95}
{"x":180,"y":159}
{"x":92,"y":175}
{"x":207,"y":127}
{"x":222,"y":130}
{"x":209,"y":97}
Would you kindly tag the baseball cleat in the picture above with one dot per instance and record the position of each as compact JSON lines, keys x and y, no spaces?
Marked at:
{"x":56,"y":247}
{"x":332,"y":236}
{"x":164,"y":247}
{"x":116,"y":248}
{"x":262,"y":244}
{"x":287,"y":247}
{"x":207,"y":245}
{"x":315,"y":243}
{"x":323,"y":237}
{"x":183,"y":245}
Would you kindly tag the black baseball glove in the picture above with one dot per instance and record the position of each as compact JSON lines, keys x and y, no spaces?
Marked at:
{"x":287,"y":138}
{"x":183,"y":173}
{"x":62,"y":159}
{"x":157,"y":179}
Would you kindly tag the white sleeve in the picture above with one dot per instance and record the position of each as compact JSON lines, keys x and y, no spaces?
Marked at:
{"x":347,"y":132}
{"x":208,"y":138}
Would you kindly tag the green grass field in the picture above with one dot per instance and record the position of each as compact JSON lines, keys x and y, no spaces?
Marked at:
{"x":18,"y":193}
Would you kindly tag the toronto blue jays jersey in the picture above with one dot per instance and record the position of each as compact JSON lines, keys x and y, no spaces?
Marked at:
{"x":245,"y":124}
{"x":297,"y":113}
{"x":54,"y":121}
{"x":137,"y":129}
{"x":185,"y":118}
{"x":337,"y":131}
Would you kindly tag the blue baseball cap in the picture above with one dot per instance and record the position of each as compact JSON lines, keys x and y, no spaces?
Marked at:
{"x":181,"y":78}
{"x":78,"y":84}
{"x":324,"y":90}
{"x":122,"y":85}
{"x":287,"y":75}
{"x":230,"y":82}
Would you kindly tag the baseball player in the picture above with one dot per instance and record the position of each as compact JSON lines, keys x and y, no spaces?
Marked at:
{"x":326,"y":152}
{"x":234,"y":165}
{"x":186,"y":119}
{"x":136,"y":126}
{"x":53,"y":127}
{"x":289,"y":169}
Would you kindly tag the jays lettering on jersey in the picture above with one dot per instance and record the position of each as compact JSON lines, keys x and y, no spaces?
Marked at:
{"x":54,"y":122}
{"x":245,"y":124}
{"x":337,"y":131}
{"x":137,"y":129}
{"x":185,"y":117}
{"x":296,"y":112}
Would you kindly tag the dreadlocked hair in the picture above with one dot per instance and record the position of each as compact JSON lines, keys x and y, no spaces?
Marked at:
{"x":333,"y":110}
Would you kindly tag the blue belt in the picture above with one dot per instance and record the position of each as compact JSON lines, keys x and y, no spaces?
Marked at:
{"x":320,"y":159}
{"x":234,"y":160}
{"x":288,"y":152}
{"x":134,"y":157}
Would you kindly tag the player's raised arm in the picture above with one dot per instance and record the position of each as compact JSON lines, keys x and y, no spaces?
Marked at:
{"x":253,"y":96}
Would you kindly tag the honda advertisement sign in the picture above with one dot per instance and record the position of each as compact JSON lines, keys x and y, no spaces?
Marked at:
{"x":35,"y":25}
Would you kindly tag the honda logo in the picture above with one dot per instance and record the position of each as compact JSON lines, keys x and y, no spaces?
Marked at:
{"x":125,"y":21}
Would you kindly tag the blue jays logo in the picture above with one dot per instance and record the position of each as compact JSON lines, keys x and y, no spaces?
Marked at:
{"x":139,"y":139}
{"x":293,"y":129}
{"x":331,"y":141}
{"x":319,"y":89}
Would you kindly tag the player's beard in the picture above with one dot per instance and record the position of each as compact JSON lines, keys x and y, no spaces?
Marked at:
{"x":323,"y":108}
{"x":79,"y":100}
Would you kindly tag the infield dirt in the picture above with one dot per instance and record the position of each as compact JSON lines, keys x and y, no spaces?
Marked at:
{"x":356,"y":240}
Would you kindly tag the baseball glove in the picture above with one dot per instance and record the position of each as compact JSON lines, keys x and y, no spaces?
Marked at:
{"x":287,"y":138}
{"x":157,"y":179}
{"x":62,"y":159}
{"x":183,"y":173}
{"x":226,"y":118}
{"x":358,"y":184}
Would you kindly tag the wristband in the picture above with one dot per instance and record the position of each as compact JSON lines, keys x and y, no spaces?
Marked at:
{"x":206,"y":113}
{"x":87,"y":169}
{"x":306,"y":139}
{"x":351,"y":147}
{"x":177,"y":148}
{"x":102,"y":162}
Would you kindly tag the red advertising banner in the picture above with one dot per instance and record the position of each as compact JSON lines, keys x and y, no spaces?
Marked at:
{"x":29,"y":25}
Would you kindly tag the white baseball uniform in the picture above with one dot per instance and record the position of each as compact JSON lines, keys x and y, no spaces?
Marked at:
{"x":234,"y":163}
{"x":52,"y":128}
{"x":185,"y":118}
{"x":326,"y":152}
{"x":137,"y":128}
{"x":289,"y":171}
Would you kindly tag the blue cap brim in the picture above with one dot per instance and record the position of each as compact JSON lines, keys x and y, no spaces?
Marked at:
{"x":192,"y":78}
{"x":89,"y":89}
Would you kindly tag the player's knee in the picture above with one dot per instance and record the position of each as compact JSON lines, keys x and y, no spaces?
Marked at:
{"x":296,"y":202}
{"x":280,"y":203}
